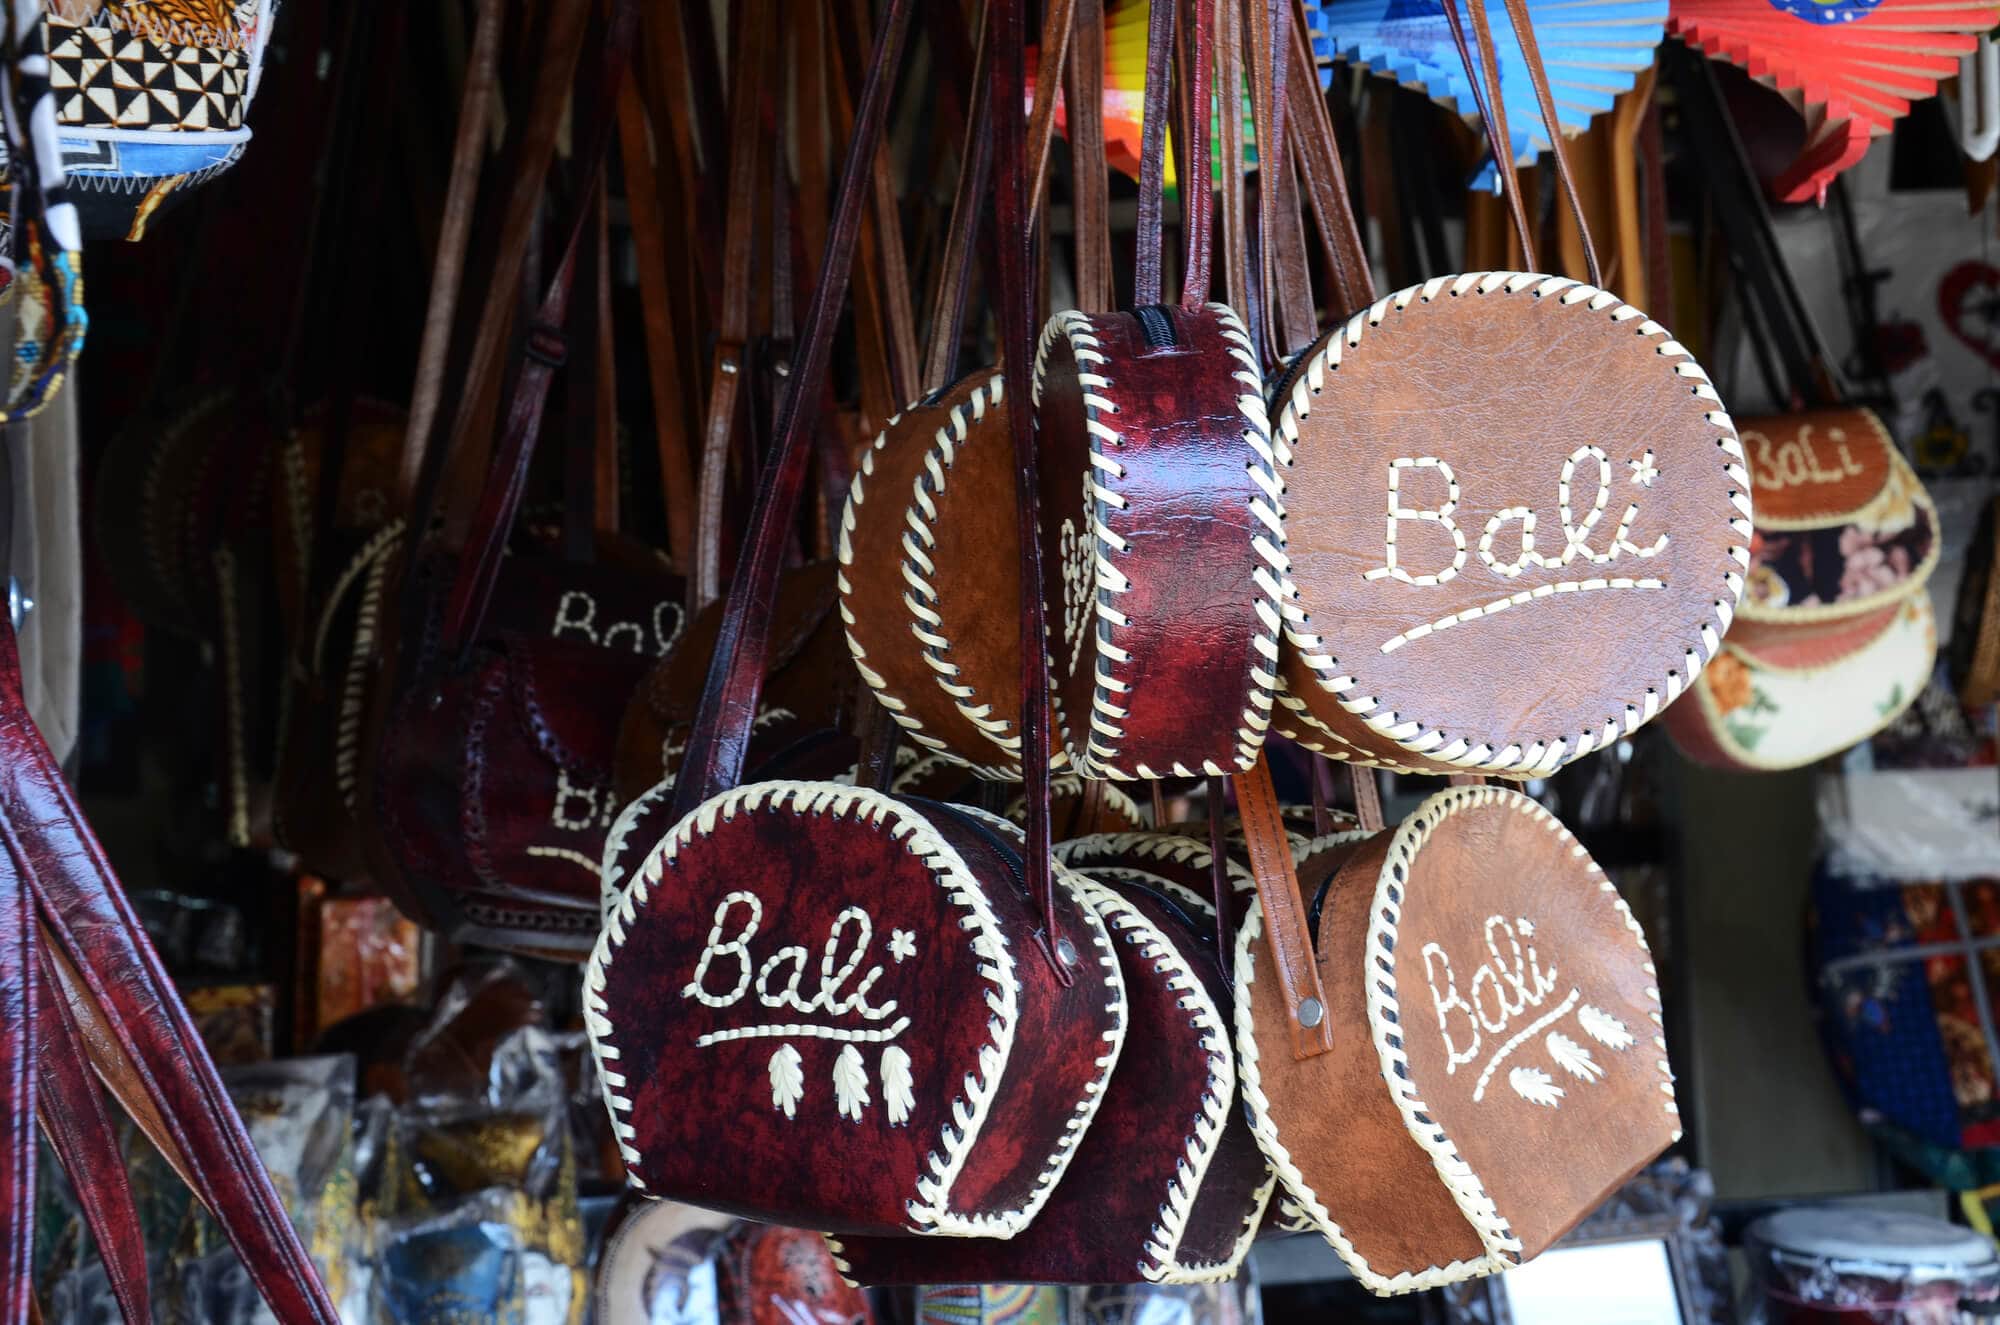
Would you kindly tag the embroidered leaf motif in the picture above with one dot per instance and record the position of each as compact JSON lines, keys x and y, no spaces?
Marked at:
{"x":1604,"y":1028}
{"x":1572,"y":1057}
{"x":896,"y":1094}
{"x":1535,"y":1086}
{"x":850,"y":1083}
{"x":788,"y":1080}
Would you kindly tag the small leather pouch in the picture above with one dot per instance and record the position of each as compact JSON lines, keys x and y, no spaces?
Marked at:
{"x":1169,"y":1186}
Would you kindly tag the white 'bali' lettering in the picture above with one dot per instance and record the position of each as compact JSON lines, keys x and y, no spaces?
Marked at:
{"x":777,"y":981}
{"x":1795,"y":462}
{"x":1576,"y":533}
{"x":576,"y":614}
{"x":581,"y":808}
{"x":1510,"y":985}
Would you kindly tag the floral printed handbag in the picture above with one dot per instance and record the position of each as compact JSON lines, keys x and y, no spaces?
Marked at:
{"x":1835,"y":634}
{"x":933,"y":1070}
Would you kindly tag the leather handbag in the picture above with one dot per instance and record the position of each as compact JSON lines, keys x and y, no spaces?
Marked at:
{"x":1162,"y":541}
{"x":1463,"y":419}
{"x":729,"y":1061}
{"x":499,"y":669}
{"x":1466,"y":1074}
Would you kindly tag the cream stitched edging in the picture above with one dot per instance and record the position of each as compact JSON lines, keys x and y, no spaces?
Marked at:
{"x":1385,"y":1018}
{"x":1114,"y":677}
{"x":947,"y":869}
{"x":1150,"y":845}
{"x":373,"y":561}
{"x":1540,"y":756}
{"x":844,"y":557}
{"x":920,"y":599}
{"x":1316,"y":736}
{"x":1163,"y":1264}
{"x":1116,"y":799}
{"x":1304,"y":1200}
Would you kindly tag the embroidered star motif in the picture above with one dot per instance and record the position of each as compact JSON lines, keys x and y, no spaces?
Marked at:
{"x":902,"y":945}
{"x":1644,"y":472}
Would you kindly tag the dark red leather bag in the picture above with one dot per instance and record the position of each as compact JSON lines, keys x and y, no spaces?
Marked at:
{"x":733,"y":1065}
{"x":499,"y":670}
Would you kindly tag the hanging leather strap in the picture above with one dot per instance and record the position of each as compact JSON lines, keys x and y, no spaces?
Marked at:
{"x":479,"y":567}
{"x":1285,"y":928}
{"x":728,"y":366}
{"x":1531,"y":51}
{"x":1058,"y":22}
{"x":975,"y":170}
{"x":1325,"y":180}
{"x":468,"y":149}
{"x":19,"y":986}
{"x":1015,"y":301}
{"x":1197,"y":197}
{"x":79,"y":1131}
{"x":1482,"y":75}
{"x":643,"y":169}
{"x":1090,"y":182}
{"x":1367,"y":798}
{"x":1236,"y":243}
{"x":1149,"y":248}
{"x":721,"y":732}
{"x":1220,"y":895}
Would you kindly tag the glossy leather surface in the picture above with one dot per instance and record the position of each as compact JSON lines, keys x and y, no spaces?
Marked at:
{"x":88,"y":917}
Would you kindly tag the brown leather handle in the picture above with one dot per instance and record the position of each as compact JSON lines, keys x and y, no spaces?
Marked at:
{"x":1015,"y":302}
{"x":721,"y":733}
{"x":1325,"y":178}
{"x":1285,"y":927}
{"x":1090,"y":183}
{"x":727,"y":366}
{"x":975,"y":169}
{"x":1148,"y":249}
{"x":1197,"y":197}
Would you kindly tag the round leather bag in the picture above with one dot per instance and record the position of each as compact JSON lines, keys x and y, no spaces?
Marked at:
{"x":1161,"y":540}
{"x":819,"y":1005}
{"x":929,"y":579}
{"x":1169,"y":1185}
{"x":1517,"y":521}
{"x":1497,"y":1065}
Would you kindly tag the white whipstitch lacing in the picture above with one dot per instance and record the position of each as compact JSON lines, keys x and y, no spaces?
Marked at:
{"x":1099,"y":752}
{"x":1535,"y":757}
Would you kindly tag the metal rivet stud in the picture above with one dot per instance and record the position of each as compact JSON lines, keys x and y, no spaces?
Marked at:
{"x":1065,"y":952}
{"x":1310,"y":1013}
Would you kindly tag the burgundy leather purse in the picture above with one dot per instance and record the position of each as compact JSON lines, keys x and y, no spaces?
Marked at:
{"x":730,"y":1059}
{"x":1162,"y":538}
{"x":497,"y":674}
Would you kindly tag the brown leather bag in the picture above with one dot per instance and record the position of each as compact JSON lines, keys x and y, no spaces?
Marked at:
{"x":1512,"y":541}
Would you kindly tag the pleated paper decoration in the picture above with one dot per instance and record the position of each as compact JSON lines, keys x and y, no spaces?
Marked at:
{"x":1125,"y":24}
{"x":1851,"y":67}
{"x":1593,"y":51}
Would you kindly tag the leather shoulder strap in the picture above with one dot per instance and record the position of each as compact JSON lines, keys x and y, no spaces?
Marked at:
{"x":716,"y":746}
{"x":1149,"y":249}
{"x":1090,"y":184}
{"x":975,"y":169}
{"x":1285,"y":928}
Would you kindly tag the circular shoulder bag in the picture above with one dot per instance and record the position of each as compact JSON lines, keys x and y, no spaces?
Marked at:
{"x":928,"y":554}
{"x":1492,"y":1063}
{"x":1161,"y":538}
{"x":1518,"y":521}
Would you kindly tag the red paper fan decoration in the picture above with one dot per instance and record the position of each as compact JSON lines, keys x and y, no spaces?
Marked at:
{"x":1851,"y":67}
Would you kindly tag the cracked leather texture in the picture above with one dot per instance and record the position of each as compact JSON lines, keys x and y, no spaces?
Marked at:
{"x":709,"y":1122}
{"x":1504,"y":388}
{"x":1191,"y":606}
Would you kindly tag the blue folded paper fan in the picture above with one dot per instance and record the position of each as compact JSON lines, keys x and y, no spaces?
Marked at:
{"x":1593,"y":51}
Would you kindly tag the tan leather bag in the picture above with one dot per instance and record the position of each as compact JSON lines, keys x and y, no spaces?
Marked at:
{"x":1471,"y":1070}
